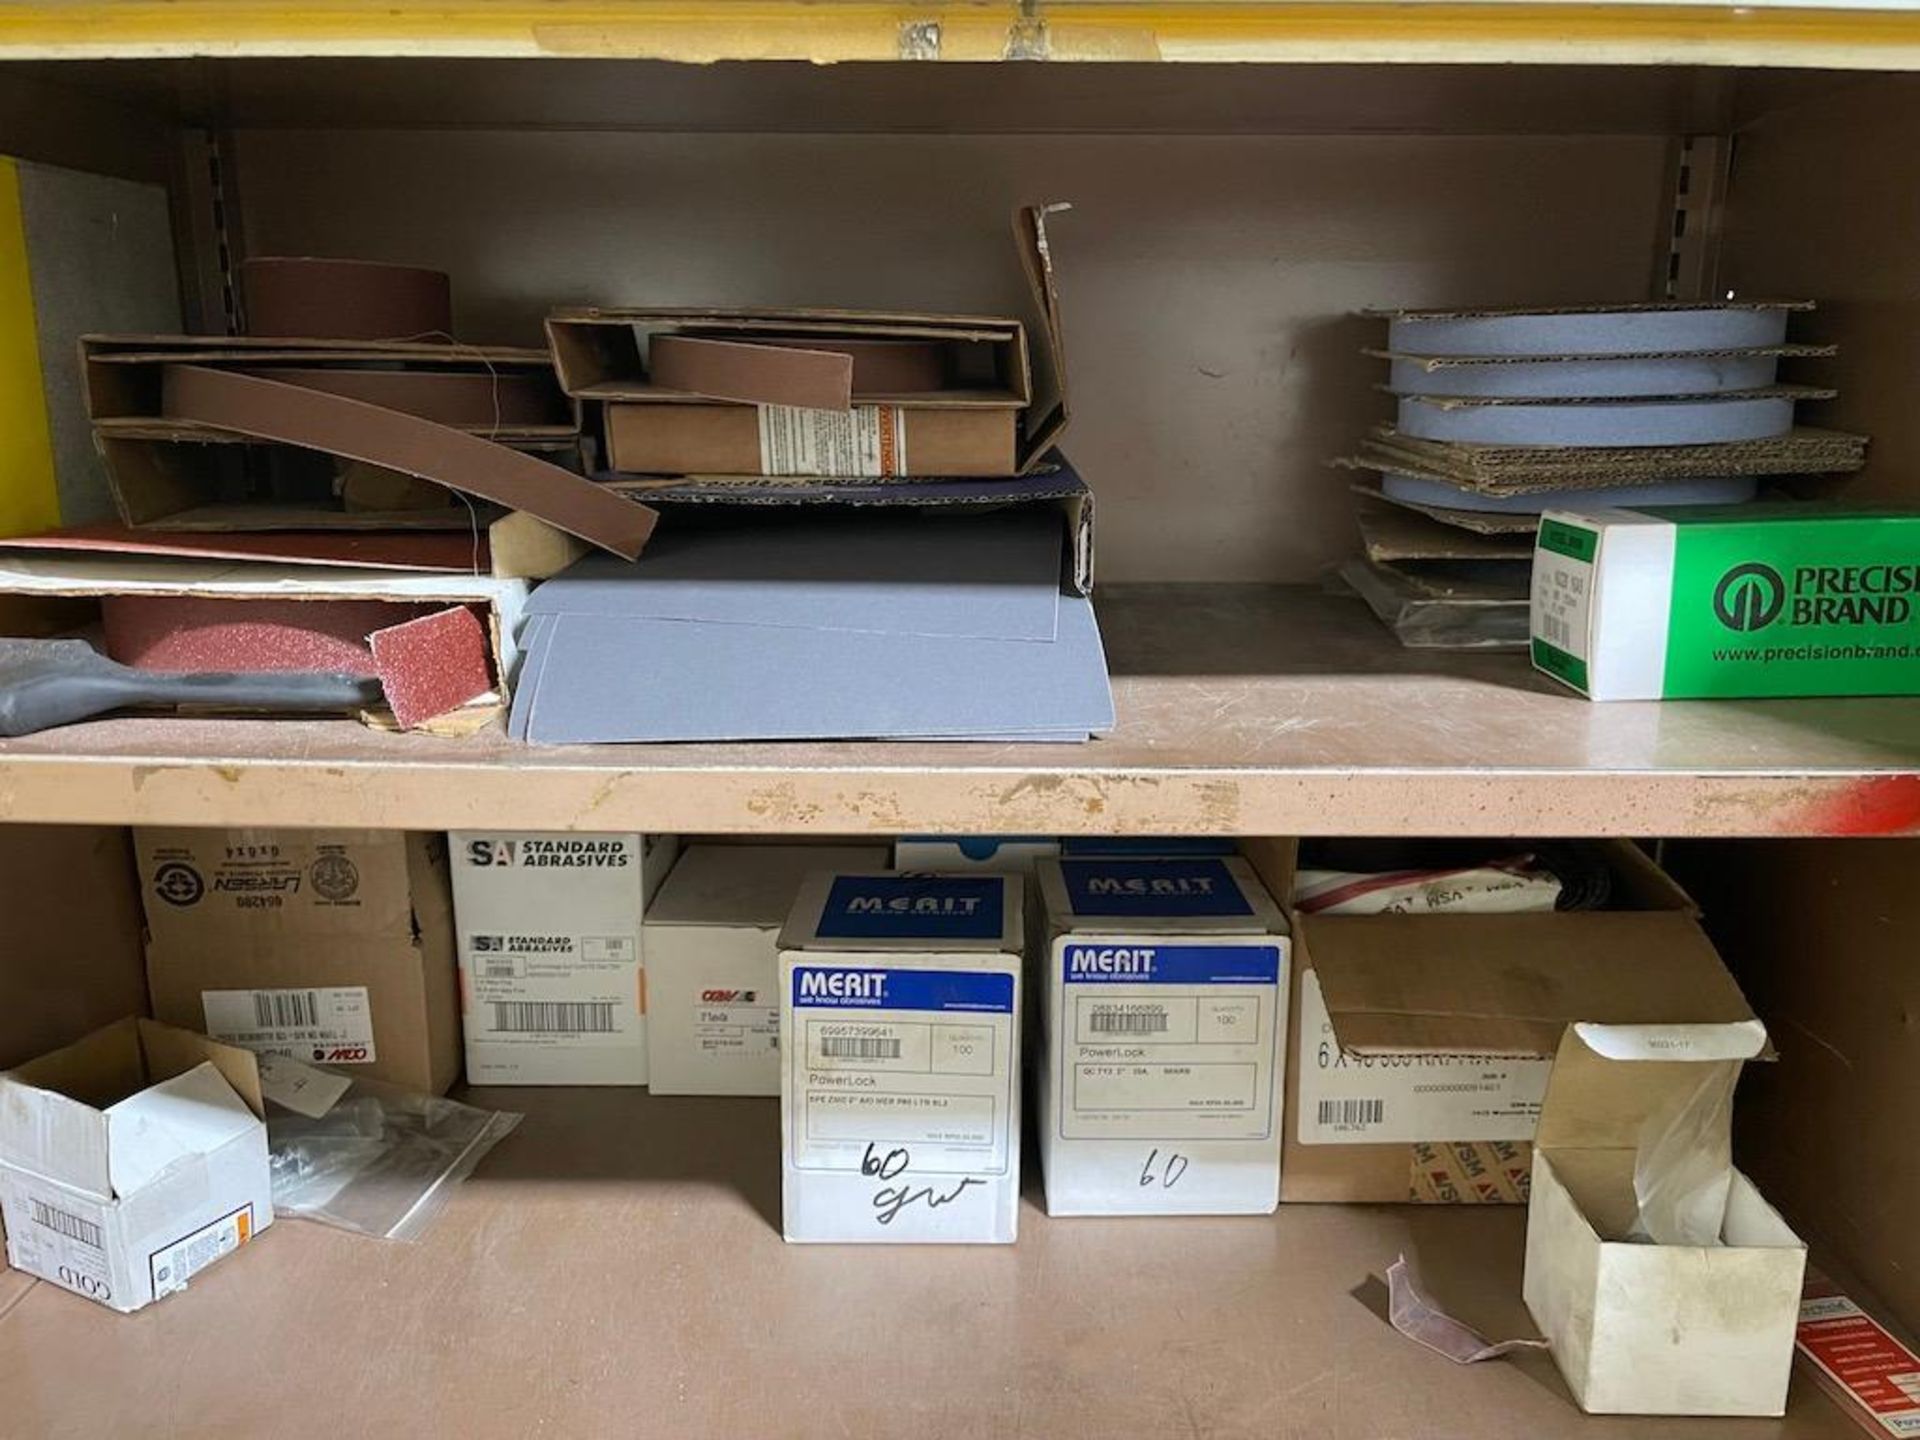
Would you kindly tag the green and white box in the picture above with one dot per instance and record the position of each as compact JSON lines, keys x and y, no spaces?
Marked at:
{"x":1729,"y":602}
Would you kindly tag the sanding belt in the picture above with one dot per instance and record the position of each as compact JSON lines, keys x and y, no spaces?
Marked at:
{"x":293,"y":415}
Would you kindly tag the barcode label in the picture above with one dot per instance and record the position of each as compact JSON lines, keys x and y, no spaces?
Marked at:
{"x":286,"y":1009}
{"x":71,"y":1226}
{"x":1128,"y":1022}
{"x":858,"y":1047}
{"x":553,"y":1017}
{"x":1556,"y":630}
{"x":1353,"y":1112}
{"x":497,"y":968}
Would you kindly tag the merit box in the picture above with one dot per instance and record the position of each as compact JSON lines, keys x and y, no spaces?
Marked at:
{"x":550,"y":972}
{"x":900,"y":1076}
{"x":1161,"y":1059}
{"x":1730,"y":601}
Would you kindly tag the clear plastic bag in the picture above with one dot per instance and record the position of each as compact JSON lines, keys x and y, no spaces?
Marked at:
{"x":382,"y":1161}
{"x":1683,"y":1168}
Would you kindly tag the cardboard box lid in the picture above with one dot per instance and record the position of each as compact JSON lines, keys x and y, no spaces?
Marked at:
{"x":1054,"y":485}
{"x":80,"y":1115}
{"x":1132,"y":895}
{"x":880,"y":911}
{"x":748,"y":886}
{"x":1511,"y":984}
{"x":1608,"y":1079}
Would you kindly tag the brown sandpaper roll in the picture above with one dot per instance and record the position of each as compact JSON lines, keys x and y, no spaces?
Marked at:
{"x":301,"y":297}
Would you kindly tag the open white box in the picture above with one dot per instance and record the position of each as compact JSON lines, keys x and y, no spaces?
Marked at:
{"x":1644,"y":1329}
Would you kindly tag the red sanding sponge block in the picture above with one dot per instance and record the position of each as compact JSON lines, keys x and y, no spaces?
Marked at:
{"x":432,"y":665}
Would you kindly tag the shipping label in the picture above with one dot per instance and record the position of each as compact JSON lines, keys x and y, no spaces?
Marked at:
{"x":730,"y":1024}
{"x":1393,"y":1099}
{"x":177,"y":1262}
{"x":868,"y":441}
{"x":553,"y":988}
{"x":1563,"y":570}
{"x":329,"y":1025}
{"x":1168,"y":1042}
{"x":1857,"y":1355}
{"x":896,"y":1070}
{"x":59,"y":1236}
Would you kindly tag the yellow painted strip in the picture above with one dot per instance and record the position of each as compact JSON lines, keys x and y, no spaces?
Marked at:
{"x":29,"y":496}
{"x":828,"y":30}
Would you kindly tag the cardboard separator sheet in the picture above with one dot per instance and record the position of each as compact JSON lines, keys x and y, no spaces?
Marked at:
{"x":1506,"y":469}
{"x":289,"y":414}
{"x":452,"y":554}
{"x":1394,"y":533}
{"x":1704,"y":372}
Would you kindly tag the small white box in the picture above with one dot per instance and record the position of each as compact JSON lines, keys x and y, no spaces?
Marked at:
{"x":127,"y":1202}
{"x":1160,"y":1057}
{"x":900,"y":1077}
{"x":1640,"y":1328}
{"x":711,"y":943}
{"x":551,"y":980}
{"x":954,"y":854}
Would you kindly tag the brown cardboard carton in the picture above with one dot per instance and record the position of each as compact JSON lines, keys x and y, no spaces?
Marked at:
{"x":759,"y":440}
{"x":1436,"y":1034}
{"x":71,"y":962}
{"x":822,"y":369}
{"x":331,"y":946}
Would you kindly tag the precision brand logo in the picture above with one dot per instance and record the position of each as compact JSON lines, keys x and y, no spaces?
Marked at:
{"x":1749,"y":597}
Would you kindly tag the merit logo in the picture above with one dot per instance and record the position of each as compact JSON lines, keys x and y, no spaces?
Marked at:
{"x":1749,"y":597}
{"x":1110,"y":960}
{"x":866,"y":985}
{"x":1159,"y":885}
{"x":914,"y":905}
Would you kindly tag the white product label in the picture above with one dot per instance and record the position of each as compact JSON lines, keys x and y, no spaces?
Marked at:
{"x":1393,"y":1099}
{"x":330,"y":1025}
{"x":60,"y":1237}
{"x":868,"y":440}
{"x":917,"y":1082}
{"x":175,"y":1264}
{"x":301,"y":1088}
{"x":1562,"y":601}
{"x":1168,"y":1042}
{"x":553,"y":989}
{"x":735,"y":1024}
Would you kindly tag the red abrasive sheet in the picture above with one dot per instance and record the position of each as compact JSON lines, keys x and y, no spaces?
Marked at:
{"x":190,"y":633}
{"x":432,"y":665}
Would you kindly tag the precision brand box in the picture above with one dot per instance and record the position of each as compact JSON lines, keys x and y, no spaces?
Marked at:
{"x":551,"y":981}
{"x":1730,"y":601}
{"x":713,"y":965}
{"x":900,"y":1082}
{"x":1161,"y":1061}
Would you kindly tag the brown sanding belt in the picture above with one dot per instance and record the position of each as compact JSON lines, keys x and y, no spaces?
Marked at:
{"x":291,"y":415}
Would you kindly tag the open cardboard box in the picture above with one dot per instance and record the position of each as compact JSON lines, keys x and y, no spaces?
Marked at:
{"x":849,"y":393}
{"x":1640,"y":1328}
{"x":1421,"y":1044}
{"x":132,"y":1159}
